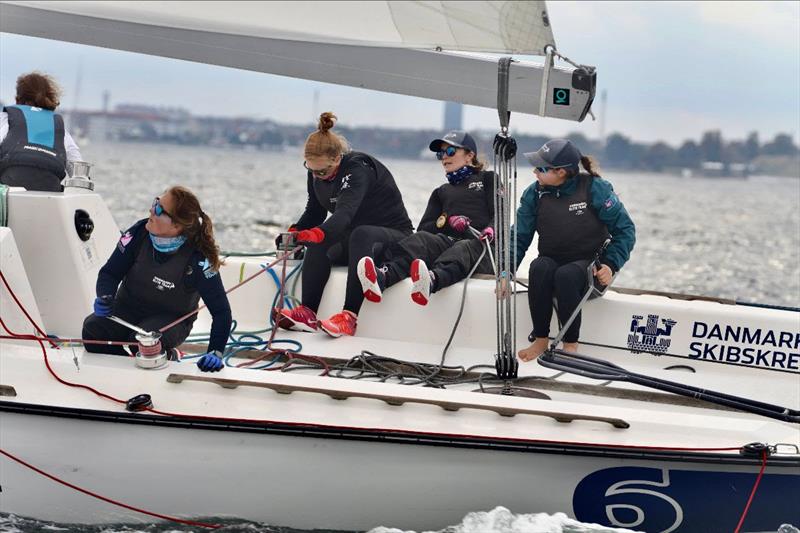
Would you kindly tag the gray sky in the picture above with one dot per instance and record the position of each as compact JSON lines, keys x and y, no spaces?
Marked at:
{"x":672,"y":70}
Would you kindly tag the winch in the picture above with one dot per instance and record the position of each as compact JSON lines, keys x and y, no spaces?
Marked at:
{"x":151,"y":353}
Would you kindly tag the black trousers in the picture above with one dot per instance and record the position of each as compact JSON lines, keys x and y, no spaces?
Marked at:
{"x":100,"y":328}
{"x":32,"y":178}
{"x":448,"y":259}
{"x":568,"y":282}
{"x":354,"y":244}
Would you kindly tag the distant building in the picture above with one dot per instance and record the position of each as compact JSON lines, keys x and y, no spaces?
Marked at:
{"x":453,"y":116}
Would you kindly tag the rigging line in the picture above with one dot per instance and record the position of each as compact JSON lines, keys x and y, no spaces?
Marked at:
{"x":753,"y":492}
{"x":105,"y":498}
{"x":252,"y":277}
{"x":19,"y":304}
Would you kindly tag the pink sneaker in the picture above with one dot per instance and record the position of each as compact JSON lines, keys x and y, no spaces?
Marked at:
{"x":421,"y":278}
{"x":368,"y":276}
{"x":343,"y":323}
{"x":301,"y":318}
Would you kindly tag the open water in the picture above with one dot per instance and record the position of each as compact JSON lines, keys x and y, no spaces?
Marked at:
{"x":729,"y":238}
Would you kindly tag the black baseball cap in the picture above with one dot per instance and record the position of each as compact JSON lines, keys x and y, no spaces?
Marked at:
{"x":457,"y":138}
{"x":557,"y":153}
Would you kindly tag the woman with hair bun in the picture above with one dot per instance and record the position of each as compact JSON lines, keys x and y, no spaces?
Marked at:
{"x":34,"y":145}
{"x":161,"y":268}
{"x":366,"y":210}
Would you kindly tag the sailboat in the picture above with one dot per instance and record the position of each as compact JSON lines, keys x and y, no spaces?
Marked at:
{"x":681,"y":414}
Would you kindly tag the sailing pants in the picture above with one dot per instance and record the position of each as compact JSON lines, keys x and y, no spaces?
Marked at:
{"x":448,"y":259}
{"x":567,"y":281}
{"x":101,"y":328}
{"x":354,"y":244}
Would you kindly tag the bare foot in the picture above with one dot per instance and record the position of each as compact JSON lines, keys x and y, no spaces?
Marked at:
{"x":534,"y":350}
{"x":570,"y":347}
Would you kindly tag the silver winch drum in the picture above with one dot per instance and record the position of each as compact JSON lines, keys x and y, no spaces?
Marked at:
{"x":151,"y":354}
{"x":78,"y":175}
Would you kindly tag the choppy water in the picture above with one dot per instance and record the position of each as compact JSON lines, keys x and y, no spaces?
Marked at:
{"x":729,"y":238}
{"x":498,"y":520}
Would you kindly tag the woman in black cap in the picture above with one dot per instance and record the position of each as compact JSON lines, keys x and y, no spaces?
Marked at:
{"x":444,"y":249}
{"x":574,"y":213}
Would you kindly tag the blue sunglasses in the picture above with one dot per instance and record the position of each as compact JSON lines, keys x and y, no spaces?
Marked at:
{"x":158,"y":209}
{"x":450,"y":151}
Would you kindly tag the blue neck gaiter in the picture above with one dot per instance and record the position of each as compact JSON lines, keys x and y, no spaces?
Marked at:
{"x":167,"y":244}
{"x":457,"y":176}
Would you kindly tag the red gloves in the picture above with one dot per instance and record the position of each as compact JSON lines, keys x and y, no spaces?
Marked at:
{"x":309,"y":236}
{"x":488,"y":234}
{"x":458,"y":222}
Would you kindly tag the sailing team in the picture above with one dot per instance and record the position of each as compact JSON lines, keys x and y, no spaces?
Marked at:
{"x":354,"y":216}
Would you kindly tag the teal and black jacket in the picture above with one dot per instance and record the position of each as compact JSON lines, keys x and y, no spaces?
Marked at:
{"x":602,"y":201}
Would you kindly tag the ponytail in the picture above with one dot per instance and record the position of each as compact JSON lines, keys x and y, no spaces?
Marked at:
{"x":590,"y":165}
{"x":204,"y":241}
{"x":196,"y":224}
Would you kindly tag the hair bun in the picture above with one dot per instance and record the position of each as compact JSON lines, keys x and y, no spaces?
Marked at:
{"x":326,"y":121}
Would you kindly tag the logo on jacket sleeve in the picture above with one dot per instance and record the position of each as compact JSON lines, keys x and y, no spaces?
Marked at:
{"x":208,"y":271}
{"x":124,"y":241}
{"x":611,"y":201}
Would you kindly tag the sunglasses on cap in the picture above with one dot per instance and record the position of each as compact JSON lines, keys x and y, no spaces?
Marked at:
{"x":450,"y":151}
{"x":158,"y":209}
{"x":321,"y":173}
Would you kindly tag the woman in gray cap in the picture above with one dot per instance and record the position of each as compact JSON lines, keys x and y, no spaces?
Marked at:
{"x":574,"y":213}
{"x":444,"y":249}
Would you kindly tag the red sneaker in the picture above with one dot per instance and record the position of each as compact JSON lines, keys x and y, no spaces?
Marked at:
{"x":421,"y":278}
{"x":368,"y":276}
{"x":301,"y":318}
{"x":343,"y":323}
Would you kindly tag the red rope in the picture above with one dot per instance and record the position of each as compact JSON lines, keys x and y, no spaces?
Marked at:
{"x":35,"y":325}
{"x":106,"y":499}
{"x":753,"y":492}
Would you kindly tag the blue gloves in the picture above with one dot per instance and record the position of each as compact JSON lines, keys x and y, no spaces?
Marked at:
{"x":210,"y":362}
{"x":103,"y":305}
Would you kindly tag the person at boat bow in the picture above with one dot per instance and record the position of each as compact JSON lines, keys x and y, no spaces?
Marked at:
{"x":162,"y":266}
{"x":366,"y":213}
{"x":574,"y":213}
{"x":34,"y":145}
{"x":444,"y":239}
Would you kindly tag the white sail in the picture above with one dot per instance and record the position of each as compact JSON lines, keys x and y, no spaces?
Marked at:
{"x":495,"y":26}
{"x":389,"y":46}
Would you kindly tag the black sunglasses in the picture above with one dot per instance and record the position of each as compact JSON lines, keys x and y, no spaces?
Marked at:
{"x":158,"y":209}
{"x":450,"y":151}
{"x":321,"y":173}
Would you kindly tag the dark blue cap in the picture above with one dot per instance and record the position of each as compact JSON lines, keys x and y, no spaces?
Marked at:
{"x":558,"y":153}
{"x":457,"y":138}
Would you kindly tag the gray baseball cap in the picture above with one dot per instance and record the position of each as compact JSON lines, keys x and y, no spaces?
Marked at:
{"x":457,"y":138}
{"x":557,"y":153}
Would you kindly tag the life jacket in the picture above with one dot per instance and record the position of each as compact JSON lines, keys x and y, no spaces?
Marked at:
{"x":568,"y":226}
{"x":35,"y":139}
{"x":160,"y":288}
{"x":471,"y":198}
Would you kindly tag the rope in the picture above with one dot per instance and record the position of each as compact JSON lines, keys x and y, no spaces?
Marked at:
{"x":249,"y":279}
{"x":106,"y":499}
{"x":753,"y":492}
